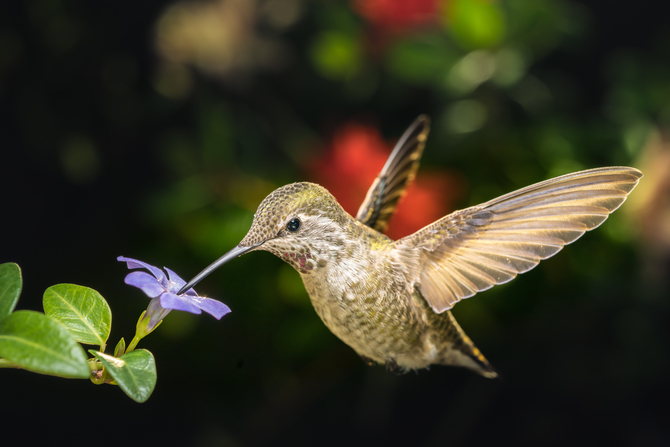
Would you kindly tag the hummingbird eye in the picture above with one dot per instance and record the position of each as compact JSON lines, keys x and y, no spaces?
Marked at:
{"x":293,"y":225}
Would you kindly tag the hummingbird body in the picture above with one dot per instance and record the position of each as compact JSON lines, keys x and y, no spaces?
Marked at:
{"x":361,"y":284}
{"x":390,"y":300}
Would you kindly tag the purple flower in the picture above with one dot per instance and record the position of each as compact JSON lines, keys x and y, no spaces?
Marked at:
{"x":163,"y":290}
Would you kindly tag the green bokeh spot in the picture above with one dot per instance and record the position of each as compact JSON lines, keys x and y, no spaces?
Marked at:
{"x":475,"y":23}
{"x":336,"y":55}
{"x":421,"y":61}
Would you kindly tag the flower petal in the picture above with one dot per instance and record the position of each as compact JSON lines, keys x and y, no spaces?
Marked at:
{"x":172,"y":276}
{"x":213,"y":307}
{"x":176,"y":283}
{"x":176,"y":302}
{"x":144,"y":281}
{"x":135,"y":264}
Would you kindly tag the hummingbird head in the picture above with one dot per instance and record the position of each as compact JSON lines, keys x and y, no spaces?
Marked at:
{"x":299,"y":223}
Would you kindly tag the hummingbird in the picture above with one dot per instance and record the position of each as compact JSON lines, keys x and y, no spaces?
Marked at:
{"x":390,"y":300}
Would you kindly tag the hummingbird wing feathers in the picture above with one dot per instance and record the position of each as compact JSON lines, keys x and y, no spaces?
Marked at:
{"x":398,"y":172}
{"x":474,"y":249}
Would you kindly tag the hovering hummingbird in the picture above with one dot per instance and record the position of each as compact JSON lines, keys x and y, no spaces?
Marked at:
{"x":389,"y":300}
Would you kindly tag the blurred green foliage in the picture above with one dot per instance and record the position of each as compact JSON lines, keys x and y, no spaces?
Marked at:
{"x":475,"y":23}
{"x":154,"y":130}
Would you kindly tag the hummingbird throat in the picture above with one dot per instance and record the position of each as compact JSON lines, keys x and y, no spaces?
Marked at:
{"x":300,"y":256}
{"x":303,"y":262}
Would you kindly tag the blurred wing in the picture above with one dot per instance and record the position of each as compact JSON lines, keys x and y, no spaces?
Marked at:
{"x":474,"y":249}
{"x":398,"y":172}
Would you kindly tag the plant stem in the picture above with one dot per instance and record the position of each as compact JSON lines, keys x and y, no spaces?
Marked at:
{"x":133,"y":343}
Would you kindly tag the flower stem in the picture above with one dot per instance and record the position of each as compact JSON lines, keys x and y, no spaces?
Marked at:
{"x":131,"y":347}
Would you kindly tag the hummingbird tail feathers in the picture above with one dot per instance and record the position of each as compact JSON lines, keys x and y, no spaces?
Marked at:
{"x":457,"y":349}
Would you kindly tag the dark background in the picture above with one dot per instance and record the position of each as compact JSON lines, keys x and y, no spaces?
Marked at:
{"x":153,"y":129}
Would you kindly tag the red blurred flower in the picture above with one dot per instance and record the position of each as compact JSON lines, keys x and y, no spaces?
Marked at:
{"x":396,"y":15}
{"x":355,"y":157}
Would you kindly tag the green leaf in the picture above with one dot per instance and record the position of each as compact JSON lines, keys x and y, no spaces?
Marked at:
{"x":120,"y":348}
{"x":10,"y":287}
{"x":134,"y":372}
{"x":39,"y":344}
{"x":83,"y":311}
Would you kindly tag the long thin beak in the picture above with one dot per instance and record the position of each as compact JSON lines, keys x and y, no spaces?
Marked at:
{"x":232,"y":254}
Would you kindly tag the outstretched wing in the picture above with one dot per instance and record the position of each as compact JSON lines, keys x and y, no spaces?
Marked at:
{"x":474,"y":249}
{"x":398,"y":172}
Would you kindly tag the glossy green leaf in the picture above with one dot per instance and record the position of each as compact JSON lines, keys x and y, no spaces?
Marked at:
{"x":10,"y":287}
{"x":39,"y":344}
{"x":83,"y":311}
{"x":134,"y":372}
